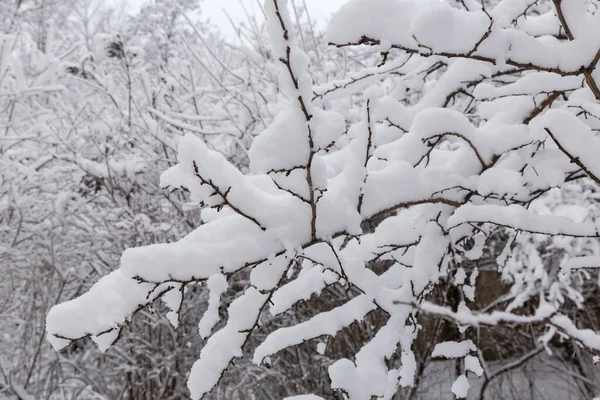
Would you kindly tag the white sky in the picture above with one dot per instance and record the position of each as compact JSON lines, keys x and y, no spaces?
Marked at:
{"x":320,"y":10}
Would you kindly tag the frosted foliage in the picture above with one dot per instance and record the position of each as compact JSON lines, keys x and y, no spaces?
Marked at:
{"x":468,"y":144}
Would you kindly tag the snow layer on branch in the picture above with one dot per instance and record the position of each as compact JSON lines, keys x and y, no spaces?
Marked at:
{"x":586,"y":337}
{"x":321,"y":347}
{"x":336,"y":208}
{"x":429,"y":254}
{"x":359,"y":81}
{"x":217,"y":284}
{"x":401,"y":22}
{"x":266,"y":275}
{"x":225,"y":344}
{"x":104,"y":307}
{"x":461,"y":387}
{"x":530,"y":84}
{"x":500,"y":181}
{"x":325,"y":323}
{"x":447,"y":29}
{"x":216,"y":175}
{"x":582,"y":263}
{"x":369,"y":375}
{"x":283,"y":145}
{"x":398,"y":21}
{"x":505,"y":12}
{"x":223,"y":245}
{"x":283,"y":45}
{"x":453,"y":349}
{"x":575,"y":138}
{"x":309,"y":282}
{"x":464,"y":316}
{"x":458,"y":72}
{"x":479,"y":146}
{"x":398,"y":230}
{"x":517,"y":217}
{"x":398,"y":182}
{"x":575,"y":13}
{"x":172,"y":299}
{"x":472,"y":364}
{"x":380,"y":19}
{"x":540,"y":25}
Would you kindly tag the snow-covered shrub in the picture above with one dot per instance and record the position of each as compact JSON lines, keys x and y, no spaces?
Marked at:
{"x":487,"y":113}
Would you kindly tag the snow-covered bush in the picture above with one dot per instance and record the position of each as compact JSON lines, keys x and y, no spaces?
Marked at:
{"x":486,"y":116}
{"x":87,"y":126}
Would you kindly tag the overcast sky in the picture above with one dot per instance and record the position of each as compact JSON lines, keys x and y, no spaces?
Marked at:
{"x":321,"y":10}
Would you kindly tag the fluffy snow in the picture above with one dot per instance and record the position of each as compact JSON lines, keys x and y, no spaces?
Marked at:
{"x":106,"y":306}
{"x":321,"y":348}
{"x":575,"y":137}
{"x":472,"y":364}
{"x":325,"y":323}
{"x":217,"y":284}
{"x":531,"y":84}
{"x":302,"y":288}
{"x":453,"y":349}
{"x":461,"y":387}
{"x":225,"y":344}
